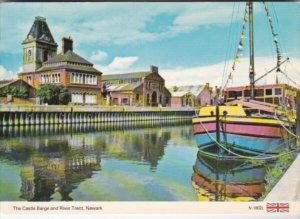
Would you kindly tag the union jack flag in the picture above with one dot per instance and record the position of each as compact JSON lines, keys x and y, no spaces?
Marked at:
{"x":278,"y":207}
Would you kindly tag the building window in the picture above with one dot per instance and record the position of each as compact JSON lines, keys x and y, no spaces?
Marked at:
{"x":80,"y":78}
{"x":125,"y":101}
{"x":269,"y":92}
{"x":137,"y":97}
{"x":90,"y":98}
{"x":77,"y":98}
{"x":50,"y":78}
{"x":148,"y":99}
{"x":115,"y":101}
{"x":160,"y":97}
{"x":29,"y":79}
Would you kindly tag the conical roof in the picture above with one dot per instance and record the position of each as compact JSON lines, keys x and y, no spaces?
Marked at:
{"x":40,"y":32}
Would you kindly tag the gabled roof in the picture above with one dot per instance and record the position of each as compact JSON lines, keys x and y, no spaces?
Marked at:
{"x":122,"y":87}
{"x":40,"y":32}
{"x":125,"y":76}
{"x":69,"y":56}
{"x":4,"y":83}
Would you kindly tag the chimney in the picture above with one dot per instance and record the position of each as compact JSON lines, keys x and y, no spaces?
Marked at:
{"x":154,"y":69}
{"x":67,"y":44}
{"x":207,"y":85}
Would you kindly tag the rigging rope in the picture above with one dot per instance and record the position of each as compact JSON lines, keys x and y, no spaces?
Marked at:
{"x":228,"y":45}
{"x":240,"y":48}
{"x":282,"y":124}
{"x":294,"y":82}
{"x":275,"y":36}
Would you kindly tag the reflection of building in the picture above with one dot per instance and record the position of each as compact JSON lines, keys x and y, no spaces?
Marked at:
{"x":42,"y":65}
{"x":227,"y":180}
{"x":198,"y":95}
{"x":58,"y":167}
{"x":136,"y":89}
{"x":145,"y":146}
{"x":275,"y":94}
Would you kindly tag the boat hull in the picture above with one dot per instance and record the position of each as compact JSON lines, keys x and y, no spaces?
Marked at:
{"x":249,"y":135}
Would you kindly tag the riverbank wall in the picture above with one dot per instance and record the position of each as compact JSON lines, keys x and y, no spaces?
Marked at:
{"x":288,"y":187}
{"x":11,"y":115}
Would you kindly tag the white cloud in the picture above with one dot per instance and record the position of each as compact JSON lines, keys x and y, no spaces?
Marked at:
{"x":118,"y":65}
{"x":104,"y":23}
{"x":213,"y":73}
{"x":98,"y":56}
{"x":6,"y":74}
{"x":122,"y":63}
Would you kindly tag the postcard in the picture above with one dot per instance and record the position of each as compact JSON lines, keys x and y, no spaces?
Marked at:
{"x":149,"y":109}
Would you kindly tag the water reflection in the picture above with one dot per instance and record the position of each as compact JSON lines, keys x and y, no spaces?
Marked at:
{"x":54,"y":161}
{"x":227,"y":180}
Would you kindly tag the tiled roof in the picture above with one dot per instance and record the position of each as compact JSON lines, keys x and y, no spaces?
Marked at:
{"x":122,"y":87}
{"x":69,"y":60}
{"x":69,"y":56}
{"x":125,"y":76}
{"x":70,"y":67}
{"x":4,"y":83}
{"x":40,"y":32}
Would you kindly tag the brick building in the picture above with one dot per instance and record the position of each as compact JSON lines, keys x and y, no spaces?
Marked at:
{"x":136,"y":89}
{"x":191,"y":95}
{"x":42,"y":64}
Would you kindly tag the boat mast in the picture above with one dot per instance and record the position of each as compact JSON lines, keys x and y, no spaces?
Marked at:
{"x":251,"y":43}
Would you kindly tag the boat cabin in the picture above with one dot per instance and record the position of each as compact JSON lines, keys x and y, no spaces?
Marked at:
{"x":278,"y":94}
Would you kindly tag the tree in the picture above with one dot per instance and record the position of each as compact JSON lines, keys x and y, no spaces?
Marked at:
{"x":53,"y":94}
{"x":15,"y":91}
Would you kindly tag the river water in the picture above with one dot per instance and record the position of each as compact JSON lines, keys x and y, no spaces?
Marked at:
{"x":118,"y":162}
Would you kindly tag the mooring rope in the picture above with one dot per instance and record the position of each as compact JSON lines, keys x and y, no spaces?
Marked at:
{"x":243,"y":156}
{"x":286,"y":129}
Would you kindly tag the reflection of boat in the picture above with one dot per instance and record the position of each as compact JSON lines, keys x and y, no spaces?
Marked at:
{"x":223,"y":180}
{"x":247,"y":126}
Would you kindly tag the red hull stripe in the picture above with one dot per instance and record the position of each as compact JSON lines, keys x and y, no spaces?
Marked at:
{"x":241,"y":129}
{"x":242,"y":123}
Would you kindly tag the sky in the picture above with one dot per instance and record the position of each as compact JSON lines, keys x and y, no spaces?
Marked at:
{"x":191,"y":43}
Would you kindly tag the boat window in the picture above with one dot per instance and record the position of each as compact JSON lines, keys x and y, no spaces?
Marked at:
{"x":269,"y":92}
{"x":278,"y":91}
{"x":259,"y":92}
{"x":234,"y":94}
{"x":246,"y":93}
{"x":269,"y":100}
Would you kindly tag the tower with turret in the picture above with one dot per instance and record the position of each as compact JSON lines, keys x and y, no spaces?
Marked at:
{"x":38,"y":46}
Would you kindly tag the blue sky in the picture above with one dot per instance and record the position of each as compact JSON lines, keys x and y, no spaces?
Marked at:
{"x":188,"y":41}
